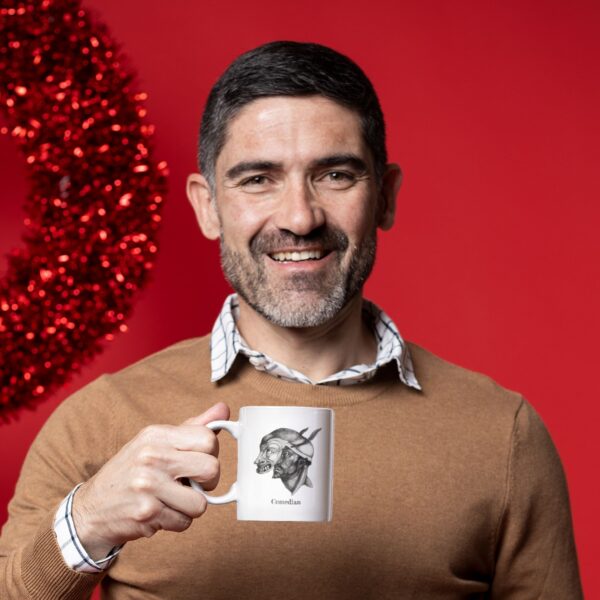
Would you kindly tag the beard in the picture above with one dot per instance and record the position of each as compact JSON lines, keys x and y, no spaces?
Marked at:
{"x":300,"y":299}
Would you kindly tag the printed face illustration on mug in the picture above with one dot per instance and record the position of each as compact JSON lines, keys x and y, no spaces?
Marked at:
{"x":287,"y":454}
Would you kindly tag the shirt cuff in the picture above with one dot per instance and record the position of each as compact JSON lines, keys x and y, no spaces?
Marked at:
{"x":72,"y":549}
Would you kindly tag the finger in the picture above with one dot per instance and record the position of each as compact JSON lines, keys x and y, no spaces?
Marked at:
{"x":175,"y":464}
{"x":208,"y":475}
{"x":208,"y":485}
{"x":205,"y":469}
{"x":173,"y":520}
{"x":156,"y":439}
{"x":182,"y":499}
{"x":217,"y":412}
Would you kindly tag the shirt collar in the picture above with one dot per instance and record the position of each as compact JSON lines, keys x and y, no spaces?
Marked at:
{"x":227,"y":343}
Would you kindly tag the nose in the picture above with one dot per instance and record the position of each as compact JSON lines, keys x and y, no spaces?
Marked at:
{"x":299,"y":210}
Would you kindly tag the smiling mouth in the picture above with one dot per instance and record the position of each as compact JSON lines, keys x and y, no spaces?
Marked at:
{"x":298,"y":256}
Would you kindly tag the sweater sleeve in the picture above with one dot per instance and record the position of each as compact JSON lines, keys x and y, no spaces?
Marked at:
{"x":535,"y":547}
{"x":73,"y":444}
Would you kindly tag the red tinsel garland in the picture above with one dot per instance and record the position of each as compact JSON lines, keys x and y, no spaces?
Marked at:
{"x":94,"y":200}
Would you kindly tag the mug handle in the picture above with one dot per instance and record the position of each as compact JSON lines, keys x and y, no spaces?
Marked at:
{"x":233,"y":427}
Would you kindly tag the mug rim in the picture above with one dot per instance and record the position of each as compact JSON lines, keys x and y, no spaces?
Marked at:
{"x":286,"y":406}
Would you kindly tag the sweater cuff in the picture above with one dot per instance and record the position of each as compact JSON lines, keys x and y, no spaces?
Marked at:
{"x":46,"y":575}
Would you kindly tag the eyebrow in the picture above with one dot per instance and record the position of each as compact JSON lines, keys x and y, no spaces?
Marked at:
{"x":338,"y":160}
{"x":334,"y":160}
{"x":251,"y":165}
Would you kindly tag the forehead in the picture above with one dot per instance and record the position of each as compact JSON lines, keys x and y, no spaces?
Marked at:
{"x":291,"y":129}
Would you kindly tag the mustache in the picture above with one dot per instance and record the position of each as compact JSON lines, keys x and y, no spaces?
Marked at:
{"x":327,"y":238}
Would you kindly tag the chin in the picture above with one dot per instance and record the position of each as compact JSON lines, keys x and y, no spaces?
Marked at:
{"x":302,"y":309}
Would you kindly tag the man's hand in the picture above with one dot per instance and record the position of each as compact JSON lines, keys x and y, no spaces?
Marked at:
{"x":137,"y":491}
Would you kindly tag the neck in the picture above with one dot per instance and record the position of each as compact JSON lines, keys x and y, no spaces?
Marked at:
{"x":317,"y":352}
{"x":294,"y":483}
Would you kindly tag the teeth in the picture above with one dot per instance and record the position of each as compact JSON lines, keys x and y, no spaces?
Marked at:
{"x":297,"y":256}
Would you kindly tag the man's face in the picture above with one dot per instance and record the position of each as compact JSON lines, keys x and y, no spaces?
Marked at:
{"x":297,"y":206}
{"x":288,"y":465}
{"x":270,"y":453}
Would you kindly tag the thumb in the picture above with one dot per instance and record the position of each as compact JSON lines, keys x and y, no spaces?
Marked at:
{"x":217,"y":412}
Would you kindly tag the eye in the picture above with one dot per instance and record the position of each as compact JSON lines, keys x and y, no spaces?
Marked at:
{"x":254,"y":181}
{"x":339,"y":180}
{"x":340,"y":176}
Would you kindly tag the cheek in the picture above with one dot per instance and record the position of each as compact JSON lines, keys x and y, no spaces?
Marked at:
{"x":236,"y":234}
{"x":355,"y":217}
{"x":240,"y":225}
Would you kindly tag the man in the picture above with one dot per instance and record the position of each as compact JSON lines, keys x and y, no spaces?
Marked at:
{"x":446,"y":485}
{"x":288,"y":454}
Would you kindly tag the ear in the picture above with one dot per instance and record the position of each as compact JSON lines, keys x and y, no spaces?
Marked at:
{"x":200,"y":197}
{"x":390,"y":185}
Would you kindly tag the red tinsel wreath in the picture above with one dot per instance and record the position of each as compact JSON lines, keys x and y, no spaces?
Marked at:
{"x":94,"y":199}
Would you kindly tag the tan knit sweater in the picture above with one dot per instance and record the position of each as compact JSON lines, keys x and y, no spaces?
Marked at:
{"x":452,"y":492}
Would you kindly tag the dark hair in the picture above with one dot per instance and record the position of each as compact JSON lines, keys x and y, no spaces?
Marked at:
{"x":290,"y":69}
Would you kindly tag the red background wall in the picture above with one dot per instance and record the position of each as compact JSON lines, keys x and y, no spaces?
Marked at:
{"x":492,"y":111}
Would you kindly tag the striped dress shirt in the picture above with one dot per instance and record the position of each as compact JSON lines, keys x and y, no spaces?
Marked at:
{"x":226,"y":343}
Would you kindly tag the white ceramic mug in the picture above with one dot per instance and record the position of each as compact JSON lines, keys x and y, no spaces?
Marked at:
{"x":285,"y":463}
